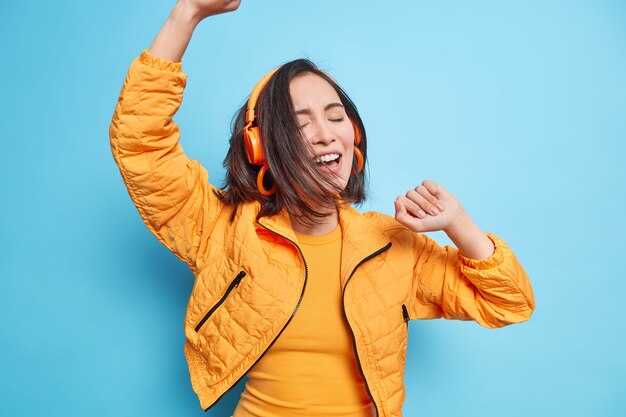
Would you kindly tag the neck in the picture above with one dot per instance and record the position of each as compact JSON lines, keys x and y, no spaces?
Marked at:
{"x":321,"y":227}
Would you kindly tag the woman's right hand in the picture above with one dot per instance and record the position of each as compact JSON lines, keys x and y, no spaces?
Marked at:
{"x":206,"y":8}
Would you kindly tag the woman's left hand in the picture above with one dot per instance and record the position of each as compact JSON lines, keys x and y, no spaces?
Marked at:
{"x":428,"y":208}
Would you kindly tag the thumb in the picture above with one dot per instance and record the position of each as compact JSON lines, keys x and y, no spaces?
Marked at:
{"x":401,"y":213}
{"x":405,"y":218}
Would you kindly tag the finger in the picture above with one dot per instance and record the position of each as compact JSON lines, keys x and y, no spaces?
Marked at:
{"x":429,"y":190}
{"x":401,"y":213}
{"x":404,"y":217}
{"x":233,"y":4}
{"x":421,"y":201}
{"x":398,"y":206}
{"x":412,"y":208}
{"x":436,"y":190}
{"x":432,"y":187}
{"x":401,"y":209}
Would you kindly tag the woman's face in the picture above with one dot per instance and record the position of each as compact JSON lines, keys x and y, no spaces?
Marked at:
{"x":324,"y":125}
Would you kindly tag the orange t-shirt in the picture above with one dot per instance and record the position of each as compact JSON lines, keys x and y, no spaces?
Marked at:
{"x":311,"y":370}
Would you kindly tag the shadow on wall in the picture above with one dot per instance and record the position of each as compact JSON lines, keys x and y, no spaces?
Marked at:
{"x":227,"y":404}
{"x":172,"y":282}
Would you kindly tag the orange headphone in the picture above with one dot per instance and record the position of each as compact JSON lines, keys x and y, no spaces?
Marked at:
{"x":254,"y":147}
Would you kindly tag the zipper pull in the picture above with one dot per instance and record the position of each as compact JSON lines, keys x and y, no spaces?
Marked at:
{"x":238,"y":278}
{"x":405,"y":314}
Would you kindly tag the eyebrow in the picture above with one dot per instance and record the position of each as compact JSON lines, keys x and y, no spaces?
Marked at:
{"x":328,"y":107}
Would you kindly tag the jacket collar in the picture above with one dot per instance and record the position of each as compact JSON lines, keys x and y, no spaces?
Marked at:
{"x":361,"y":238}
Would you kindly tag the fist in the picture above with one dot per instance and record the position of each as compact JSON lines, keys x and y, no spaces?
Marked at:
{"x":206,"y":8}
{"x":427,"y":208}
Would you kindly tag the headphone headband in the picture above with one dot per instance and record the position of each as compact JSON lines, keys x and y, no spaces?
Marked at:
{"x":256,"y":92}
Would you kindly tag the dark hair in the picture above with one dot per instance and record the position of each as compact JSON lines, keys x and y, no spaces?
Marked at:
{"x":301,"y":188}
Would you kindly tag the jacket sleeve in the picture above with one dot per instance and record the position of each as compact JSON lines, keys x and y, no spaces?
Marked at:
{"x":171,"y":192}
{"x":494,"y":292}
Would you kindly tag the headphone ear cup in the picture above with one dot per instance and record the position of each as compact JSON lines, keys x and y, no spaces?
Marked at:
{"x":259,"y":183}
{"x":357,"y":133}
{"x":359,"y":161}
{"x":357,"y":152}
{"x":252,"y":145}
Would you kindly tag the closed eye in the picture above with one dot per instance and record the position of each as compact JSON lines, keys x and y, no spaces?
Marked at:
{"x":337,"y":120}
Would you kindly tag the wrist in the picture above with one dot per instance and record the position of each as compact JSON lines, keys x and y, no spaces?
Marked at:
{"x":184,"y":14}
{"x":461,"y":223}
{"x":468,"y":238}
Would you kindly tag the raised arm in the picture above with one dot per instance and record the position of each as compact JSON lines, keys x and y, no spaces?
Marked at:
{"x":172,"y":192}
{"x":173,"y":38}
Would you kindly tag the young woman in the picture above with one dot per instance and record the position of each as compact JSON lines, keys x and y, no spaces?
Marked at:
{"x":295,"y":288}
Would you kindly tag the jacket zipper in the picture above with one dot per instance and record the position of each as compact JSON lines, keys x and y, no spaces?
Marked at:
{"x":343,"y":304}
{"x":231,"y":287}
{"x":306,"y":275}
{"x":405,"y":314}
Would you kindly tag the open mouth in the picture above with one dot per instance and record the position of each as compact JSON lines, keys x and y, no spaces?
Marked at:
{"x":330,"y":161}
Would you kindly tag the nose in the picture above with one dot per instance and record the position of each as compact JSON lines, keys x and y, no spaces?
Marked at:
{"x":322,"y":134}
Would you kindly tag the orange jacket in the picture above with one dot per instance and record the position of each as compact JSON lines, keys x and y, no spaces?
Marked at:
{"x":251,"y":275}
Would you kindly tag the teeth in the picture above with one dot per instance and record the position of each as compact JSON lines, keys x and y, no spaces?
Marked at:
{"x":327,"y":158}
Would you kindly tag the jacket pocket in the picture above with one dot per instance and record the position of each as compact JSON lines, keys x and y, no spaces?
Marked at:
{"x":405,"y":314}
{"x":234,"y":284}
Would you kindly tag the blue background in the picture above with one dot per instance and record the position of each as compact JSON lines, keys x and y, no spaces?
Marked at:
{"x":516,"y":107}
